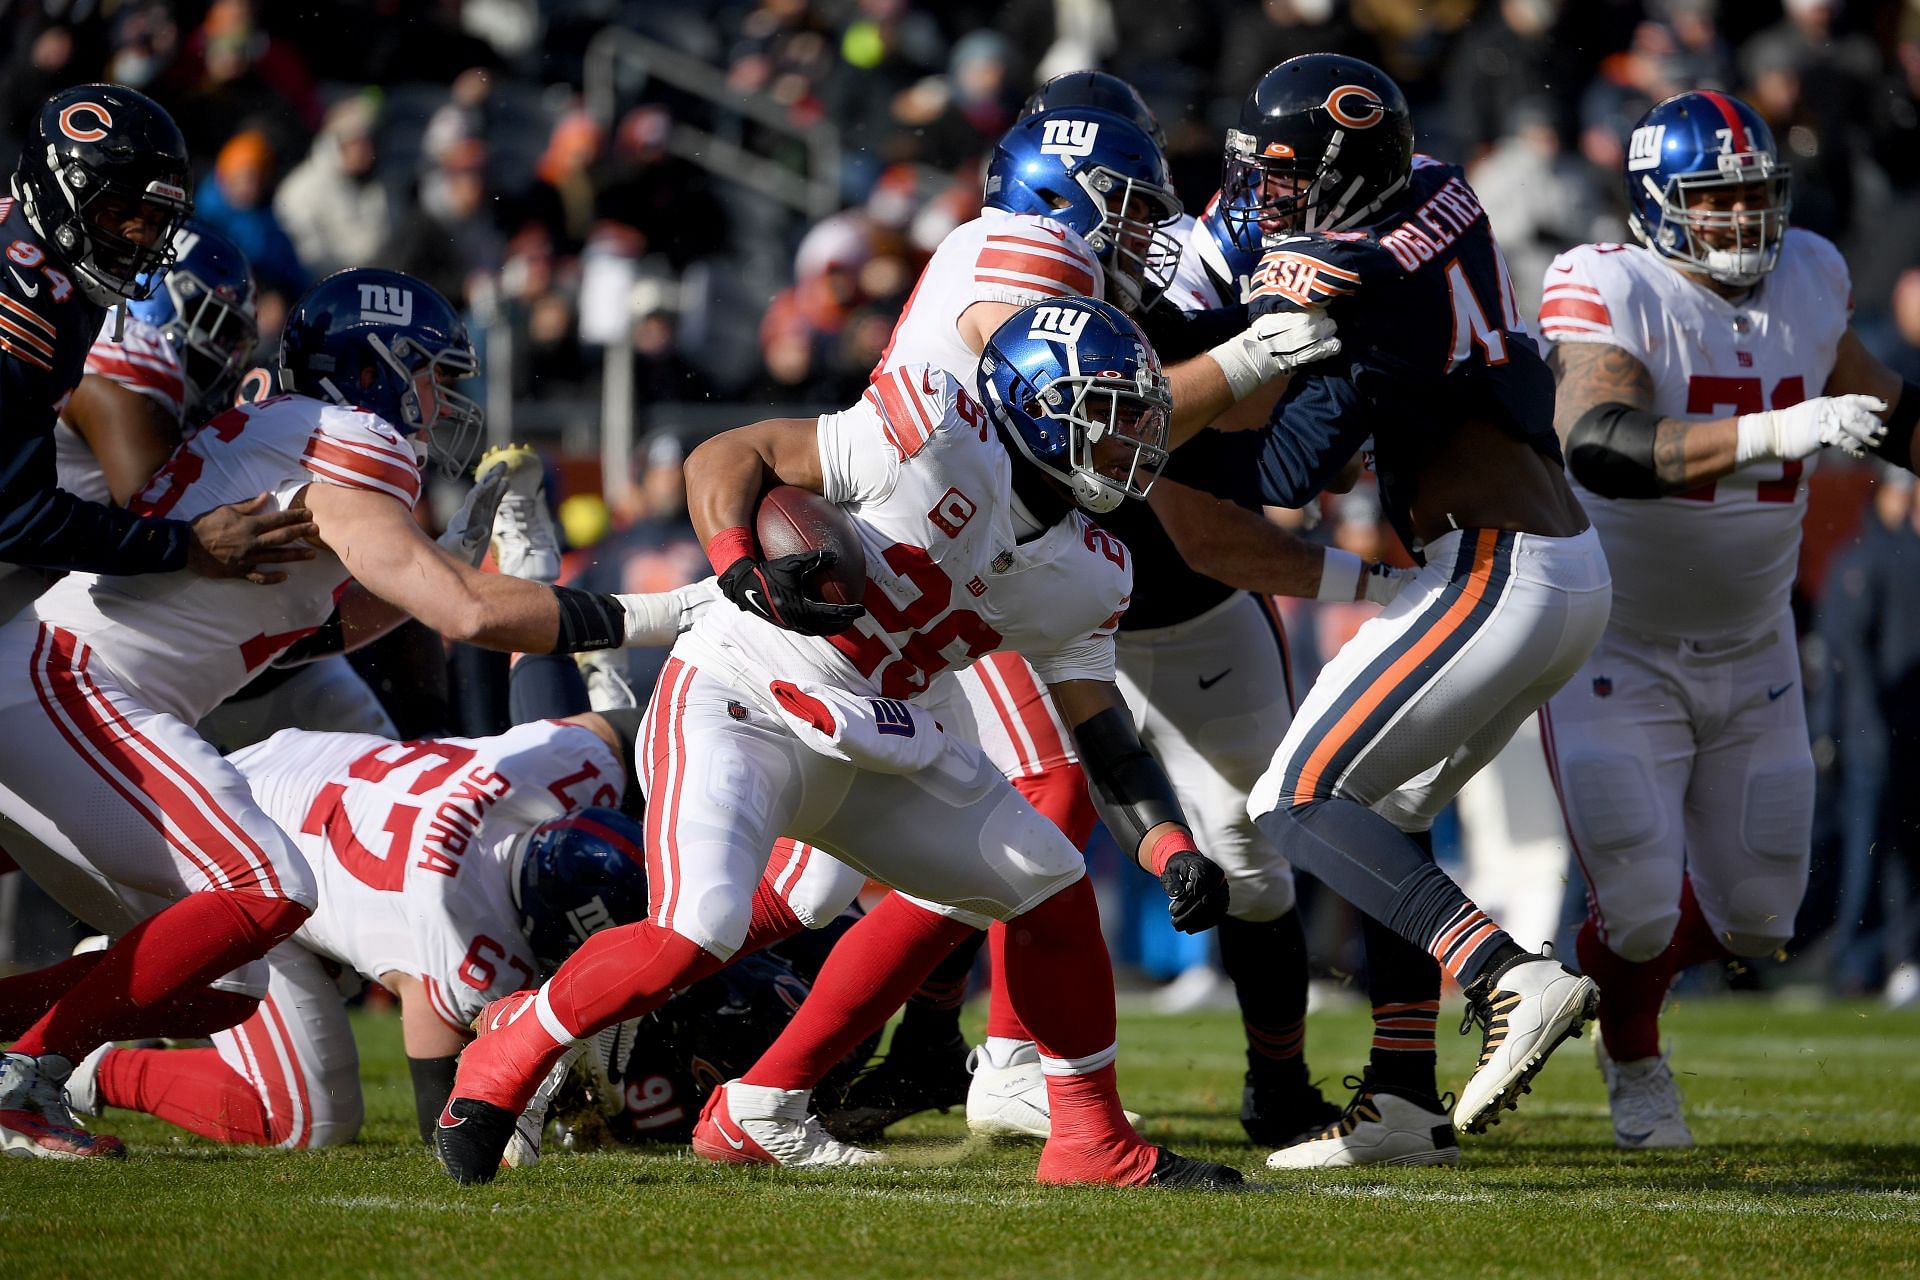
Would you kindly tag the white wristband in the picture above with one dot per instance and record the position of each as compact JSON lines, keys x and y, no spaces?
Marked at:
{"x":1754,"y":438}
{"x":1340,"y":575}
{"x":1243,"y":372}
{"x":653,"y":618}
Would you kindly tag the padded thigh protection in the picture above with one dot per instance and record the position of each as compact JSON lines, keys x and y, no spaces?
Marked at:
{"x":1751,"y":895}
{"x":1629,"y":837}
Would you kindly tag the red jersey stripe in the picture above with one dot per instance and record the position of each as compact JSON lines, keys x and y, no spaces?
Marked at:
{"x":31,"y":339}
{"x":902,"y":429}
{"x":14,"y":350}
{"x":1071,"y":274}
{"x":1026,"y":286}
{"x":367,"y":472}
{"x":29,"y":314}
{"x":1575,"y":309}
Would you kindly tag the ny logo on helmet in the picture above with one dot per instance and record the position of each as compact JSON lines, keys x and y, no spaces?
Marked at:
{"x":1355,"y":106}
{"x":184,"y":242}
{"x":589,"y":918}
{"x":71,"y":126}
{"x":1069,"y":139}
{"x":1643,"y":149}
{"x":386,"y":302}
{"x":1058,"y":324}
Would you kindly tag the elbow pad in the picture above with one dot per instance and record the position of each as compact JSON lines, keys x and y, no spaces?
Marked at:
{"x":1896,"y":446}
{"x":1130,"y":789}
{"x":1610,"y":451}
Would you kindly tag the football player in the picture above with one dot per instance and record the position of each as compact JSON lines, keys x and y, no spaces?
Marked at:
{"x":1701,"y":371}
{"x":100,"y":189}
{"x":1077,"y":201}
{"x":791,"y":715}
{"x":1440,"y":371}
{"x":103,"y":781}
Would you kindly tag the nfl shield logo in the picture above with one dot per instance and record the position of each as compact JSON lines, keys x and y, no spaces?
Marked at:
{"x":1602,"y":686}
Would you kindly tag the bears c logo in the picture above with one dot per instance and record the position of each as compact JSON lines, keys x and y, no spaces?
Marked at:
{"x":1355,"y":106}
{"x":71,"y":122}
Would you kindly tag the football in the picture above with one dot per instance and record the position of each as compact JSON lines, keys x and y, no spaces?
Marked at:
{"x":792,"y":520}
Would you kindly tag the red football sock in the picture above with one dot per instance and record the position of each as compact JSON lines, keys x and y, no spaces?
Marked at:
{"x":1060,"y":980}
{"x":193,"y":1013}
{"x":622,"y":973}
{"x":192,"y":1088}
{"x":1001,"y":1019}
{"x":773,"y":921}
{"x":1630,"y":995}
{"x":869,"y":974}
{"x":26,"y":997}
{"x":190,"y":943}
{"x":1694,"y":941}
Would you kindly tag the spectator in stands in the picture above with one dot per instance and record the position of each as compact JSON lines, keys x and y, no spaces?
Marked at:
{"x":563,"y":198}
{"x":668,"y":200}
{"x":237,"y":202}
{"x":1663,"y":59}
{"x":1819,"y":146}
{"x":1261,"y":36}
{"x":1507,"y":55}
{"x":233,"y":71}
{"x":1541,"y":199}
{"x":335,"y":206}
{"x":450,"y":240}
{"x":1895,"y":338}
{"x":146,"y":40}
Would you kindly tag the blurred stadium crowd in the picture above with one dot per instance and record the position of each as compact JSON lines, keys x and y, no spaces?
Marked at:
{"x":741,"y":192}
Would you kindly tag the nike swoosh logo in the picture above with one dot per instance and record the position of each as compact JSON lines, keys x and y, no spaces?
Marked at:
{"x":31,"y":290}
{"x":1636,"y":1138}
{"x":719,"y":1122}
{"x":447,"y":1120}
{"x":1773,"y":695}
{"x":1207,"y":682}
{"x":753,"y":598}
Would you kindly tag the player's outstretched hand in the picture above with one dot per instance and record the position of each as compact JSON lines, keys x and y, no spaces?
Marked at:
{"x":235,"y":540}
{"x":471,"y":529}
{"x":1196,"y":891}
{"x":776,"y":590}
{"x":1849,"y":423}
{"x":1274,"y":344}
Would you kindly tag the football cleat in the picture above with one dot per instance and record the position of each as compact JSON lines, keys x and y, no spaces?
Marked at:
{"x":83,"y":1086}
{"x":523,"y":1149}
{"x":915,"y":1076}
{"x":604,"y":671}
{"x":1525,"y":1011}
{"x":34,"y":1118}
{"x":471,"y":1139}
{"x":753,"y":1124}
{"x":1645,"y":1103}
{"x":1183,"y":1173}
{"x":1011,"y":1101}
{"x":1381,"y":1125}
{"x":525,"y":542}
{"x":1277,"y":1113}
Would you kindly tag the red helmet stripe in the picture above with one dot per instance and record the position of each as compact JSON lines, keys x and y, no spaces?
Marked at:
{"x":612,"y":837}
{"x":1740,"y":140}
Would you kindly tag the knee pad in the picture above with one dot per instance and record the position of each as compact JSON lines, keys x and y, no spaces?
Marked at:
{"x":1777,"y":818}
{"x":1642,"y":940}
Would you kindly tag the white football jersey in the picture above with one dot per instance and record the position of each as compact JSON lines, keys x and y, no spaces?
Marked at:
{"x":1016,"y":258}
{"x":411,"y":843}
{"x":188,"y":643}
{"x":920,"y":470}
{"x":1720,"y":560}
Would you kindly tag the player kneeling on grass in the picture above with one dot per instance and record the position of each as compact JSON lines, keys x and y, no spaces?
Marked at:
{"x":114,"y":804}
{"x":966,"y":513}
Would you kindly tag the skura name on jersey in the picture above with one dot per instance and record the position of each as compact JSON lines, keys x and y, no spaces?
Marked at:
{"x":457,"y":819}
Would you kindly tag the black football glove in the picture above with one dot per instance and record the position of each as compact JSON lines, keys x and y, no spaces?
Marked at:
{"x":776,"y":590}
{"x":1196,"y":891}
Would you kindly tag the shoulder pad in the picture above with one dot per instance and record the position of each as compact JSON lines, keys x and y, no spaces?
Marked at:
{"x":918,"y":401}
{"x":1311,"y":271}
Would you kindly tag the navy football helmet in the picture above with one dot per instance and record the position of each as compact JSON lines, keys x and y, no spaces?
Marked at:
{"x":386,"y":342}
{"x":1324,"y":143}
{"x":1101,"y":91}
{"x":205,"y":307}
{"x":576,"y":875}
{"x":100,"y":156}
{"x":1080,"y":391}
{"x":1100,"y":174}
{"x":1696,"y":143}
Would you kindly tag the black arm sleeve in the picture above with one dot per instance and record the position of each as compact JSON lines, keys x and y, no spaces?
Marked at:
{"x":1130,"y":789}
{"x":1897,"y":445}
{"x":432,"y":1086}
{"x":1610,"y":451}
{"x":42,"y":524}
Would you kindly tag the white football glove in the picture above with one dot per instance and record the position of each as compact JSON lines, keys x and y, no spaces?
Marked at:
{"x":1849,"y":423}
{"x":1385,"y":581}
{"x":657,"y":617}
{"x":1273,"y":344}
{"x":471,"y":527}
{"x":523,"y":1148}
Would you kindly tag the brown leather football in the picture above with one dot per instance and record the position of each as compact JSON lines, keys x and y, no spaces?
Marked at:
{"x":792,"y":520}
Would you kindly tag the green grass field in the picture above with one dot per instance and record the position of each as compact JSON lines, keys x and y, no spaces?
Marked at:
{"x":1809,"y":1165}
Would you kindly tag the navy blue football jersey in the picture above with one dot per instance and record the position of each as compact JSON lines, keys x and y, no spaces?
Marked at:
{"x":1431,"y":337}
{"x":46,"y":327}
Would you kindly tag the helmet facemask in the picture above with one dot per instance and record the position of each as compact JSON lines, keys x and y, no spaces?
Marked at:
{"x":1271,"y":192}
{"x":441,"y":422}
{"x":215,"y":336}
{"x":1736,"y":248}
{"x":1115,"y":431}
{"x":108,"y":265}
{"x":1134,"y":239}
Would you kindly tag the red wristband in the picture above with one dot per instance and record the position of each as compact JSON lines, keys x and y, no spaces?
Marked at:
{"x":1178,"y":840}
{"x":729,"y":545}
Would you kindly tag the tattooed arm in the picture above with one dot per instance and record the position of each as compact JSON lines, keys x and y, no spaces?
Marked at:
{"x":1684,"y":454}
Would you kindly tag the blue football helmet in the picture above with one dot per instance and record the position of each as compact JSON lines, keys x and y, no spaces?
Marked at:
{"x":1100,"y":174}
{"x":386,"y":342}
{"x":576,"y":875}
{"x":1220,"y":242}
{"x":1100,"y":90}
{"x":1079,"y":389}
{"x":204,"y":306}
{"x":1708,"y":142}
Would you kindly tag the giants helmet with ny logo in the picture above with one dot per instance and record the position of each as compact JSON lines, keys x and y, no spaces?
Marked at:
{"x":1700,"y":142}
